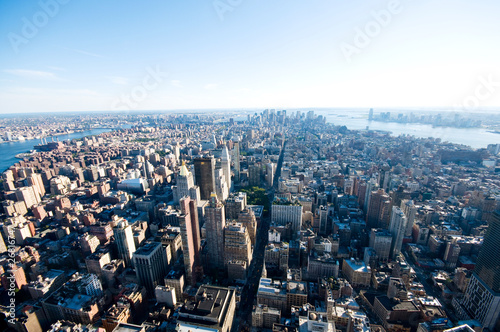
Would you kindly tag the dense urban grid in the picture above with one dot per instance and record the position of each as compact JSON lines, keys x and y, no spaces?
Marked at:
{"x":273,"y":222}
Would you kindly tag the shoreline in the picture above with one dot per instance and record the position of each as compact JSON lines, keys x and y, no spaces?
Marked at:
{"x":59,"y":134}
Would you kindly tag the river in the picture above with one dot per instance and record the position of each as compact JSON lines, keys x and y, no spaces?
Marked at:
{"x":358,"y":119}
{"x":9,"y":150}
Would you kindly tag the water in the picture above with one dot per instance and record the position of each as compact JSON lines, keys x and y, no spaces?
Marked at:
{"x":358,"y":119}
{"x":354,"y":119}
{"x":9,"y":150}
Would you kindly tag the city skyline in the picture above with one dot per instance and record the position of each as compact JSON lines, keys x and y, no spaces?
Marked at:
{"x":226,"y":55}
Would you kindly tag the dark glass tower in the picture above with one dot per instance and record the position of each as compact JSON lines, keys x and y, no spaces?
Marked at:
{"x":482,"y":298}
{"x":204,"y":172}
{"x":488,"y":262}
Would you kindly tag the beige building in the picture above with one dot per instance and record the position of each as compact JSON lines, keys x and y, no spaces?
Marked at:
{"x":356,"y":272}
{"x":237,"y":245}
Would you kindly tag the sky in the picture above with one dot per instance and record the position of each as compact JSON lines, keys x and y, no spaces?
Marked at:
{"x":94,"y":55}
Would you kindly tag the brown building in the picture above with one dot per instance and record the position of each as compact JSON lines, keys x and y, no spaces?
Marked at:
{"x":204,"y":171}
{"x":379,"y":212}
{"x":190,"y":233}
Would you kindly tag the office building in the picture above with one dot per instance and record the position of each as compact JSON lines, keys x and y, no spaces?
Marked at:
{"x":185,"y":185}
{"x":226,"y":167}
{"x":356,"y":272}
{"x":211,"y":310}
{"x":237,"y":245}
{"x":204,"y":171}
{"x":215,"y":222}
{"x":124,"y":239}
{"x":397,"y":227}
{"x":247,"y":218}
{"x":236,"y":159}
{"x":150,"y":262}
{"x":234,"y":204}
{"x":410,"y":210}
{"x":190,"y":234}
{"x":381,"y":242}
{"x":378,"y":213}
{"x":284,"y":212}
{"x":482,"y":297}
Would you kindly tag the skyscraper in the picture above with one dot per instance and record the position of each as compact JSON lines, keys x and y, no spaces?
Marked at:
{"x":482,"y":297}
{"x":204,"y":171}
{"x":247,"y":218}
{"x":397,"y":227}
{"x":221,"y":186}
{"x":185,"y":185}
{"x":410,"y":211}
{"x":190,"y":233}
{"x":237,"y":244}
{"x":150,"y":262}
{"x":226,"y":167}
{"x":124,"y":239}
{"x":379,"y":213}
{"x":215,"y":222}
{"x":236,"y":158}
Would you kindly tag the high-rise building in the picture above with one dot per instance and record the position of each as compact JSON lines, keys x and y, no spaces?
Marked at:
{"x":482,"y":297}
{"x":184,"y":185}
{"x":237,"y":244}
{"x":28,"y":195}
{"x":254,"y":172}
{"x":397,"y":227}
{"x":270,"y":170}
{"x":371,"y":185}
{"x":204,"y":171}
{"x":215,"y":222}
{"x":247,"y":218}
{"x":283,"y":212}
{"x":236,"y":158}
{"x":221,"y":186}
{"x":410,"y":210}
{"x":379,"y":213}
{"x":150,"y":262}
{"x":381,"y":241}
{"x":226,"y":167}
{"x":124,"y":239}
{"x":235,"y":203}
{"x":190,"y":233}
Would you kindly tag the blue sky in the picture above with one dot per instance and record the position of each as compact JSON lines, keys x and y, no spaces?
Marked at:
{"x":187,"y":54}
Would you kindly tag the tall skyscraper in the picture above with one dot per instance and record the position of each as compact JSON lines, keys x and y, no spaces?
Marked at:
{"x":397,"y":227}
{"x":379,"y":213}
{"x":410,"y":210}
{"x":185,"y":185}
{"x":482,"y":297}
{"x":190,"y":233}
{"x":221,"y":186}
{"x":236,"y":158}
{"x":204,"y":171}
{"x":226,"y":167}
{"x":124,"y":239}
{"x":215,"y":222}
{"x":150,"y":262}
{"x":237,"y":244}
